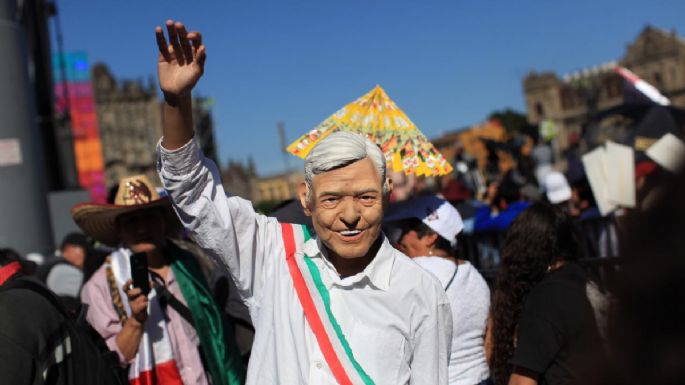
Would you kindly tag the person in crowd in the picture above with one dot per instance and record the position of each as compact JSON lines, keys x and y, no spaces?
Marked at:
{"x":429,"y":227}
{"x":647,"y":339}
{"x":557,"y":190}
{"x":503,"y":205}
{"x":63,"y":274}
{"x":174,"y":335}
{"x":27,"y":327}
{"x":543,"y":158}
{"x":328,"y":307}
{"x":544,"y":327}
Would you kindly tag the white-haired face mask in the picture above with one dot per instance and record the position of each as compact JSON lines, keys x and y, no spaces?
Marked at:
{"x":346,"y":206}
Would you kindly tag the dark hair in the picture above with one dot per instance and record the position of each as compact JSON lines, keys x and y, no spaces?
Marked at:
{"x":76,"y":239}
{"x":8,"y":256}
{"x":422,"y":230}
{"x":509,"y":191}
{"x":538,"y":237}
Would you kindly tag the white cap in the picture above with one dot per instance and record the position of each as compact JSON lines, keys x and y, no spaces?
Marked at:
{"x":436,"y":213}
{"x":556,"y":187}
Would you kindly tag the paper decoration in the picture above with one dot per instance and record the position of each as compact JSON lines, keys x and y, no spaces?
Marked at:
{"x":377,"y":117}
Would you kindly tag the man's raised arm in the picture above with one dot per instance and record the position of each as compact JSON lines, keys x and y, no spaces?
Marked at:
{"x":227,"y":228}
{"x":180,"y":65}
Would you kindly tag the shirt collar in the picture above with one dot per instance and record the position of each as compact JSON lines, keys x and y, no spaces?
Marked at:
{"x":378,"y":271}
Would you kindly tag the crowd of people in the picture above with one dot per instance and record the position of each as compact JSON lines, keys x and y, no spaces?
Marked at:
{"x":195,"y":287}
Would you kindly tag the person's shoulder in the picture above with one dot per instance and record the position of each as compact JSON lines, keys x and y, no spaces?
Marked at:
{"x":412,"y":277}
{"x":472,"y":275}
{"x":559,"y":287}
{"x":96,"y":281}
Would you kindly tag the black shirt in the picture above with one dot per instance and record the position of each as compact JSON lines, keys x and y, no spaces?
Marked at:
{"x":557,"y":334}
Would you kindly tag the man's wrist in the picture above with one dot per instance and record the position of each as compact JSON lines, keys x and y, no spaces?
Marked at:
{"x":133,"y":323}
{"x":174,"y":100}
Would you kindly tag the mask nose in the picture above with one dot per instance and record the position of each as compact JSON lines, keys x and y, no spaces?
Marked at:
{"x":350,"y":215}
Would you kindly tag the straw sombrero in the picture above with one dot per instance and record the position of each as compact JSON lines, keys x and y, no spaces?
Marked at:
{"x":134,"y":193}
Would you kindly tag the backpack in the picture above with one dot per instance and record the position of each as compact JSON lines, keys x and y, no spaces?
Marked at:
{"x":88,"y":360}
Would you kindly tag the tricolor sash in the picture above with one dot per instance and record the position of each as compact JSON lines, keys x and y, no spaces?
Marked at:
{"x":316,"y":304}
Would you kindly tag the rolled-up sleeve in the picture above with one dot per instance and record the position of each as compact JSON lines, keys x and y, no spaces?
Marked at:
{"x":101,"y":314}
{"x":226,"y":227}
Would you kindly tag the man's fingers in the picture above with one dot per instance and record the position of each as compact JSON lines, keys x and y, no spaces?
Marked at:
{"x":173,"y":40}
{"x":201,"y":56}
{"x":196,"y":38}
{"x":162,"y":44}
{"x":185,"y":44}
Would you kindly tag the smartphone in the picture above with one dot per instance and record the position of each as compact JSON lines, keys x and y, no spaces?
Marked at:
{"x":139,"y":272}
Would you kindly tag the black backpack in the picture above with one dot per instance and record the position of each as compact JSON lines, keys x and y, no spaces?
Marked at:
{"x":88,"y":360}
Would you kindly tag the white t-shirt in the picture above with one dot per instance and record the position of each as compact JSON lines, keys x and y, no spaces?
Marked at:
{"x":469,"y":297}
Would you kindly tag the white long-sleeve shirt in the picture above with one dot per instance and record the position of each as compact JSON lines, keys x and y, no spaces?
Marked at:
{"x":395,"y":316}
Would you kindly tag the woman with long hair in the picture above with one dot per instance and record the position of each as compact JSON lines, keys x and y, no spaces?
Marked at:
{"x":542,"y":320}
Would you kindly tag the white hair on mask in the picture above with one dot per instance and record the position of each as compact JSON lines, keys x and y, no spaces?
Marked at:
{"x":340,"y":149}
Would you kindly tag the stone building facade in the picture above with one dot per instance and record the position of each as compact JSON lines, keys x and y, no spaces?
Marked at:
{"x":130,"y":121}
{"x":656,"y":56}
{"x":278,"y":187}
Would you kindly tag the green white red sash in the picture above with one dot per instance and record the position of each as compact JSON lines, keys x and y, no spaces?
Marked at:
{"x":315,"y":301}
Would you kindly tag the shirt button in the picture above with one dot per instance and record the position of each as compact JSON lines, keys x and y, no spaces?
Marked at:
{"x":319,"y":365}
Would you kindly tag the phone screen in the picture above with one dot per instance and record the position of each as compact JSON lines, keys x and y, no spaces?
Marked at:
{"x":139,"y":272}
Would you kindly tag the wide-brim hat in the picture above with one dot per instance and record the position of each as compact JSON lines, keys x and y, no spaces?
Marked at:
{"x":135,"y":193}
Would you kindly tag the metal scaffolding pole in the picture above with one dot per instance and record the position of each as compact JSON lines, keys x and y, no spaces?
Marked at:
{"x":24,"y":215}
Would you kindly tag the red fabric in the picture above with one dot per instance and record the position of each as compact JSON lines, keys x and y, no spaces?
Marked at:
{"x":165,"y":373}
{"x":7,"y":271}
{"x":456,"y":191}
{"x":309,"y":308}
{"x":644,"y":168}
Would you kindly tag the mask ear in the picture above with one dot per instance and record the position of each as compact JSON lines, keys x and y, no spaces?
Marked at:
{"x":386,"y":196}
{"x":304,"y":201}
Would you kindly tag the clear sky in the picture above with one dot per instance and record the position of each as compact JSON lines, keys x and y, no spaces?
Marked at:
{"x":447,"y":64}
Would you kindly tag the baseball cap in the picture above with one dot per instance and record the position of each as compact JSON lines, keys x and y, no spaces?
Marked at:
{"x":556,"y":187}
{"x":434,"y":212}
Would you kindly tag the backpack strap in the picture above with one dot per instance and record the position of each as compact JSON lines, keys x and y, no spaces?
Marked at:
{"x":37,"y":288}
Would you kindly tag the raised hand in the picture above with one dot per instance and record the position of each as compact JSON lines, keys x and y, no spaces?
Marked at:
{"x":181,"y":60}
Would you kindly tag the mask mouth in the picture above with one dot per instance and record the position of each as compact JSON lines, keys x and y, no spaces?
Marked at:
{"x":351,"y":235}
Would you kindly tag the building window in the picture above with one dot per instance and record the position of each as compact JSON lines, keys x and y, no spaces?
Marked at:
{"x":658,"y":81}
{"x":539,"y":110}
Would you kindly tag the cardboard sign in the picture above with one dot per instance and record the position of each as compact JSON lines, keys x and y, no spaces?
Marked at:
{"x":10,"y":152}
{"x":595,"y":163}
{"x":621,"y":174}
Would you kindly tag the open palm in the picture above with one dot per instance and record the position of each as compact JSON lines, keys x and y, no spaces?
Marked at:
{"x":181,"y":59}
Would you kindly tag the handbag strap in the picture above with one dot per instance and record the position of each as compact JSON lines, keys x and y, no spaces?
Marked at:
{"x":456,"y":267}
{"x":167,"y":298}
